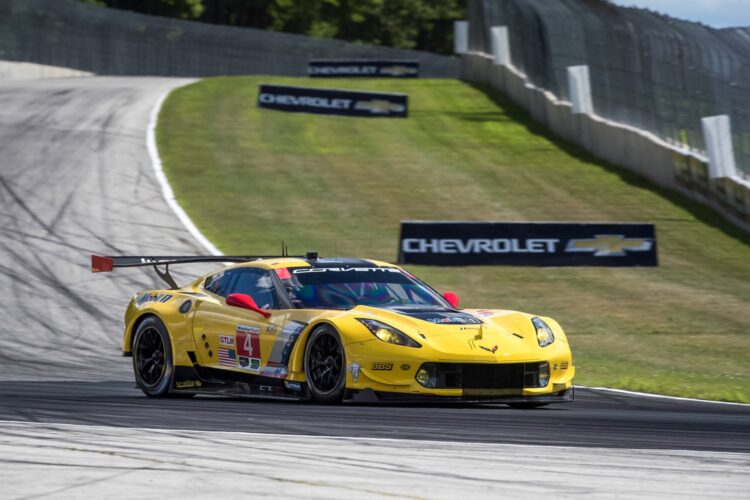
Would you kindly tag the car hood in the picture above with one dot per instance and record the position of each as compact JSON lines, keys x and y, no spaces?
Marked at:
{"x":498,"y":334}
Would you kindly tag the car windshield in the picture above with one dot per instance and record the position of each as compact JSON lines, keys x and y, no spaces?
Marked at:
{"x":344,"y":288}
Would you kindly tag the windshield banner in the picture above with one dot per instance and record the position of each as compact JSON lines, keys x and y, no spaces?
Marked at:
{"x":362,"y":68}
{"x":333,"y":101}
{"x":527,"y":244}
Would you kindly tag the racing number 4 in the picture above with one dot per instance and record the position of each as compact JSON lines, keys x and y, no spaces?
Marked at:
{"x":249,"y":345}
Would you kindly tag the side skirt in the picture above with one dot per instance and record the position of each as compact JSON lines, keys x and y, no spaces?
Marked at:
{"x":202,"y":380}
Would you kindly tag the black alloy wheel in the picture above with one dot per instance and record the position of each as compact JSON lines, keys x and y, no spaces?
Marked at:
{"x":325,"y":365}
{"x":152,"y":358}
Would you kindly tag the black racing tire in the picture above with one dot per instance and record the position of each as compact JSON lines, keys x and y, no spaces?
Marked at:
{"x":526,"y":406}
{"x":325,"y":366}
{"x":153,"y":363}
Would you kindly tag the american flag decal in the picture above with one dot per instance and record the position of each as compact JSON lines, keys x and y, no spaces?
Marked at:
{"x":227,"y":357}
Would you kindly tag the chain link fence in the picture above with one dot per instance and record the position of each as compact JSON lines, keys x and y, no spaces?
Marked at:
{"x":73,"y":34}
{"x":647,"y":70}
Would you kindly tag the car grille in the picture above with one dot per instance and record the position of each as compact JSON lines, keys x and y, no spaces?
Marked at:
{"x":483,"y":376}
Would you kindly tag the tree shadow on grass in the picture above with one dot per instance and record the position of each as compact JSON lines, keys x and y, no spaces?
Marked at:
{"x":703,"y":213}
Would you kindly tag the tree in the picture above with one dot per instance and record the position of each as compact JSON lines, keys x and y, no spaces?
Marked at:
{"x":407,"y":24}
{"x":182,"y":9}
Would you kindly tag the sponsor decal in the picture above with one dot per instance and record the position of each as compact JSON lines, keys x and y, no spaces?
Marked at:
{"x":379,"y":106}
{"x":484,"y":313}
{"x":247,"y":363}
{"x":247,"y":343}
{"x":247,"y":329}
{"x":382,"y":366}
{"x":155,"y":297}
{"x":226,"y":340}
{"x":333,"y":101}
{"x":283,"y":273}
{"x":527,"y":244}
{"x":227,"y":357}
{"x":399,"y":70}
{"x":562,"y":366}
{"x":354,"y":369}
{"x":305,"y":270}
{"x":359,"y":68}
{"x":292,"y":385}
{"x":480,"y":245}
{"x":610,"y":245}
{"x":186,"y":384}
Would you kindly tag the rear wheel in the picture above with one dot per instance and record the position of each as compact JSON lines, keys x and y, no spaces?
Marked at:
{"x":325,"y":365}
{"x":152,"y":358}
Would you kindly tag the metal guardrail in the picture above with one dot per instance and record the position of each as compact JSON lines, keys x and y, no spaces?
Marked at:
{"x":74,"y":34}
{"x":647,"y":70}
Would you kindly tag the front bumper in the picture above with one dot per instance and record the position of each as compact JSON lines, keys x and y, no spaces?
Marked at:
{"x":370,"y":396}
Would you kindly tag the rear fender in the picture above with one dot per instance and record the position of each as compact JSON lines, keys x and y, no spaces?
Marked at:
{"x":172,"y":308}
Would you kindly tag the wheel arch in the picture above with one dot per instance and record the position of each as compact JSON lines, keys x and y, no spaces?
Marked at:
{"x":131,"y":329}
{"x":298,"y":358}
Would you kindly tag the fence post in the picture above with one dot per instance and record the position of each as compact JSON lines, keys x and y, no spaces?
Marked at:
{"x":717,"y":134}
{"x":460,"y":37}
{"x":579,"y":87}
{"x":500,"y":46}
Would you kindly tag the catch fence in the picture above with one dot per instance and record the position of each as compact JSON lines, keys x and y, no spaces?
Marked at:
{"x":647,"y":70}
{"x":74,"y":34}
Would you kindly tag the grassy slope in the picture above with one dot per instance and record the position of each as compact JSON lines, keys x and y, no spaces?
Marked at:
{"x":250,"y":178}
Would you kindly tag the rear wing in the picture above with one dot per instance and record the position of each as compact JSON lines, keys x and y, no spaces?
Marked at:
{"x":102,"y":264}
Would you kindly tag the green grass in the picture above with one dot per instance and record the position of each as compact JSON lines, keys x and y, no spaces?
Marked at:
{"x":250,"y":178}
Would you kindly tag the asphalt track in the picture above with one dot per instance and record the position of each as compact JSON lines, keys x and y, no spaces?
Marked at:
{"x":75,"y":179}
{"x":595,"y":419}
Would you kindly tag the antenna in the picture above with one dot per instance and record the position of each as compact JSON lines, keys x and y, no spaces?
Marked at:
{"x":284,"y":249}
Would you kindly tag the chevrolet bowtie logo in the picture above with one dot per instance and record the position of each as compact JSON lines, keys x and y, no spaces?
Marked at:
{"x":610,"y":245}
{"x":379,"y":106}
{"x":397,"y":70}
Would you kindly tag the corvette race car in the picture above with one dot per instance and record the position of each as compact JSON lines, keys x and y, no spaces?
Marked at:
{"x":331,"y":330}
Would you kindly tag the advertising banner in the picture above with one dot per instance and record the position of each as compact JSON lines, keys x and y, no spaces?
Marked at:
{"x":333,"y":101}
{"x":443,"y":243}
{"x":362,"y":68}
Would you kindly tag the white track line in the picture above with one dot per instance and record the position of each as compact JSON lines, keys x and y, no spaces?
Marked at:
{"x":659,"y":396}
{"x":168,"y":194}
{"x":166,"y":189}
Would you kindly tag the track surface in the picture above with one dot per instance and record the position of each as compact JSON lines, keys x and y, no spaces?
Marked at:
{"x":595,"y":419}
{"x":75,"y":178}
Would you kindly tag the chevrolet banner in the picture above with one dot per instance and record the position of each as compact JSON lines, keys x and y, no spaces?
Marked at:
{"x":441,"y":243}
{"x":362,"y":68}
{"x":333,"y":101}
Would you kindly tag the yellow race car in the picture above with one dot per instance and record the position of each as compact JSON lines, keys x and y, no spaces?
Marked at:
{"x":333,"y":330}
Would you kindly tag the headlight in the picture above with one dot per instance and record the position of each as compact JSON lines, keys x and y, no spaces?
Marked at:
{"x":387,"y":333}
{"x":544,"y":333}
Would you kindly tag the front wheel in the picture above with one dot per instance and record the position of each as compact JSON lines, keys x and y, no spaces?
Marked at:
{"x":152,"y":358}
{"x":325,"y":365}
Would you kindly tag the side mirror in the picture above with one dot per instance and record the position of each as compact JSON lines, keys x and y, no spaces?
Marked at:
{"x":452,"y":299}
{"x":246,"y":302}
